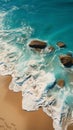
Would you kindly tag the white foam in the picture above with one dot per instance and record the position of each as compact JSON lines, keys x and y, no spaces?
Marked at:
{"x":29,"y":103}
{"x":36,"y":88}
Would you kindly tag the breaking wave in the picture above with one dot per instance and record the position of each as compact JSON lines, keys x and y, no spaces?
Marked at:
{"x":35,"y":73}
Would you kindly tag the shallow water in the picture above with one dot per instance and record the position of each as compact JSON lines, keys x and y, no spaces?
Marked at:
{"x":35,"y":73}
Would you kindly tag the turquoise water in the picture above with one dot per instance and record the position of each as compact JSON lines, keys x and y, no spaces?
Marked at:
{"x":50,"y":21}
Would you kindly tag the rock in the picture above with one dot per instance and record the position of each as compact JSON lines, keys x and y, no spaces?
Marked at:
{"x":37,"y":44}
{"x":61,"y":82}
{"x":51,"y":48}
{"x":38,"y":49}
{"x":61,"y":44}
{"x":66,"y":60}
{"x":69,"y":54}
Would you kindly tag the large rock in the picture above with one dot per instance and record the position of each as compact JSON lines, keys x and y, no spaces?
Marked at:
{"x":61,"y":44}
{"x":66,"y":60}
{"x":61,"y":82}
{"x":37,"y":44}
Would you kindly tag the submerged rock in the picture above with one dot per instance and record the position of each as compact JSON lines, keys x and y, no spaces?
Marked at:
{"x":61,"y":82}
{"x":66,"y":60}
{"x":61,"y":44}
{"x":37,"y":44}
{"x":38,"y":49}
{"x":51,"y":48}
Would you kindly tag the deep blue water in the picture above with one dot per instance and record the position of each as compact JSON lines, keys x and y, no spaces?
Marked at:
{"x":49,"y":20}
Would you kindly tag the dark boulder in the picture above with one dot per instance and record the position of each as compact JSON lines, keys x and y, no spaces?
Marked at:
{"x":61,"y":82}
{"x":37,"y":44}
{"x":66,"y":60}
{"x":61,"y":44}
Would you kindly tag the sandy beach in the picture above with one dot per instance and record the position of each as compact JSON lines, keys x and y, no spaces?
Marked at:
{"x":12,"y":117}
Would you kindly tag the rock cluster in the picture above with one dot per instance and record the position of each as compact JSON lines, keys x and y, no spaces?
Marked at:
{"x":38,"y":45}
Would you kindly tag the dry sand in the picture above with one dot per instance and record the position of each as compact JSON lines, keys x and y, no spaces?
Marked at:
{"x":12,"y":117}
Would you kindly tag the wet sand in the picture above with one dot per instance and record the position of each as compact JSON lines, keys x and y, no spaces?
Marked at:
{"x":12,"y":117}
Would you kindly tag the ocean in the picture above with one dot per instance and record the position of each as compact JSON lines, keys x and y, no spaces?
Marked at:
{"x":35,"y":73}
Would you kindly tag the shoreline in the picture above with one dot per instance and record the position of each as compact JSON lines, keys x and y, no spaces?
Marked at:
{"x":13,"y":117}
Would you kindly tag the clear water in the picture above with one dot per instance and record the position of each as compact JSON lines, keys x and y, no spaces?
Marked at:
{"x":51,"y":21}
